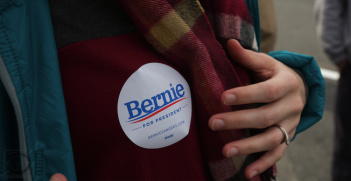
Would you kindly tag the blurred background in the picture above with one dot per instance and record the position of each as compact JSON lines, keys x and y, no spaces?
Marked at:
{"x":309,"y":156}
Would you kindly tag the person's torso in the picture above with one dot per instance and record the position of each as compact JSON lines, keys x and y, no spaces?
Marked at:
{"x":99,"y":48}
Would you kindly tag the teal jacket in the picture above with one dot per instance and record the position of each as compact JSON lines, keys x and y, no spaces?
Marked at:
{"x":34,"y":129}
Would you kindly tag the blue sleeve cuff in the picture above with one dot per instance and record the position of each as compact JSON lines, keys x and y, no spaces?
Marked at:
{"x":313,"y":110}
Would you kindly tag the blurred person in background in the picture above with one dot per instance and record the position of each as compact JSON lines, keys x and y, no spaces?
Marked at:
{"x":333,"y":28}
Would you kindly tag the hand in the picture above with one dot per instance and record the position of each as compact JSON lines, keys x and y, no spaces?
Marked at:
{"x":58,"y":177}
{"x":341,"y":65}
{"x":284,"y":92}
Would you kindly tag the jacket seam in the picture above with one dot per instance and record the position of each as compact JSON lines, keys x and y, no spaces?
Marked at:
{"x":19,"y":72}
{"x":15,"y":58}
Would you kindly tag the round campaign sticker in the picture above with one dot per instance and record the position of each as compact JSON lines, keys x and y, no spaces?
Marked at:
{"x":154,"y":106}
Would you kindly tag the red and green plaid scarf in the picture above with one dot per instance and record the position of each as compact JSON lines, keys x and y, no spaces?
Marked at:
{"x":193,"y":41}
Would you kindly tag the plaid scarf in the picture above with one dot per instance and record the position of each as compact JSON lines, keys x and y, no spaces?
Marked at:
{"x":193,"y":41}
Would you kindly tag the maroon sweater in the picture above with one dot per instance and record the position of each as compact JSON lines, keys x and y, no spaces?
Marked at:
{"x":93,"y":73}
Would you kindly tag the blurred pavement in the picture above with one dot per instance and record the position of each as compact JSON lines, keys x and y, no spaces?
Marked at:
{"x":309,"y":156}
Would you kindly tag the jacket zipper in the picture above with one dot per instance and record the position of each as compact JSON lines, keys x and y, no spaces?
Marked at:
{"x":11,"y":91}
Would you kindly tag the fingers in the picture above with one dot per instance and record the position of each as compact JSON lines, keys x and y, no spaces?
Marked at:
{"x":261,"y":117}
{"x":267,"y":140}
{"x":249,"y":59}
{"x":272,"y":140}
{"x":266,"y":161}
{"x":58,"y":177}
{"x":262,"y":92}
{"x":282,"y":89}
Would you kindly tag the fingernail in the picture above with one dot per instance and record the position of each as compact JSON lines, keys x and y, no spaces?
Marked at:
{"x":53,"y":178}
{"x":217,"y":124}
{"x":253,"y":174}
{"x":229,"y":99}
{"x":232,"y":152}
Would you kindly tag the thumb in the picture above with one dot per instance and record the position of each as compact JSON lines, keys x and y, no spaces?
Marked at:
{"x":58,"y":177}
{"x":247,"y":58}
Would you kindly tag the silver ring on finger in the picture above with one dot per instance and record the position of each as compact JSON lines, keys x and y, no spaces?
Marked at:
{"x":286,"y":135}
